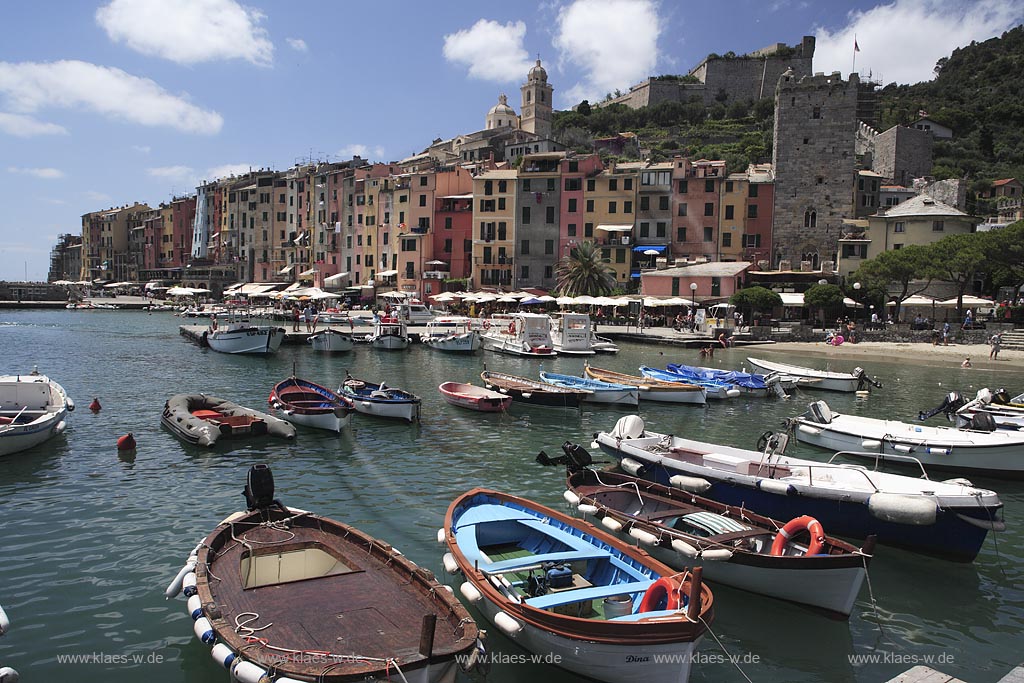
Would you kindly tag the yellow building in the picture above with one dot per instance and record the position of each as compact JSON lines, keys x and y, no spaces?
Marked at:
{"x":494,"y":220}
{"x":732,"y":217}
{"x":609,"y":200}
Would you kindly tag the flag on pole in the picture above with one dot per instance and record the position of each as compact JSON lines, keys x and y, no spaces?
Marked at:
{"x":856,"y":47}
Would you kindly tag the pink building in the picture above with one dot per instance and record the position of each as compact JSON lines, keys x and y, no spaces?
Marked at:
{"x":574,"y":172}
{"x":715,"y":281}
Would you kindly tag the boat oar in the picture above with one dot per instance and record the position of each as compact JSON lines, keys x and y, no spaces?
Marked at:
{"x":13,"y":421}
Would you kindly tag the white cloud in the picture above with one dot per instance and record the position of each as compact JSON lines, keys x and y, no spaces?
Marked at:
{"x":71,"y":84}
{"x":227,"y":170}
{"x":492,"y":51}
{"x":298,"y":44}
{"x":900,"y":42}
{"x":174,"y":173}
{"x":45,"y":173}
{"x":94,"y":196}
{"x":589,"y":34}
{"x":142,"y":149}
{"x":25,"y":126}
{"x":362,"y":151}
{"x":188,"y":31}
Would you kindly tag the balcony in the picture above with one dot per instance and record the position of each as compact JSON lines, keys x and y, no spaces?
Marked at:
{"x":419,"y":230}
{"x":434,"y":275}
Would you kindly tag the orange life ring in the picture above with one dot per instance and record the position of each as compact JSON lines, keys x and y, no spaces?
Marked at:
{"x":512,"y":327}
{"x":795,"y":526}
{"x":664,"y":594}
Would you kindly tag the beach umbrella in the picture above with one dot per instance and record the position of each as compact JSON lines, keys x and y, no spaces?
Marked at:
{"x":651,"y":252}
{"x":395,"y":295}
{"x":546,"y":298}
{"x":530,"y":302}
{"x":584,"y":300}
{"x":507,"y":300}
{"x":443,"y":296}
{"x":565,"y":301}
{"x":436,"y":263}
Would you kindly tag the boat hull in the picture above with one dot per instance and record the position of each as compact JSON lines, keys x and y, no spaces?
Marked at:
{"x":389,"y":342}
{"x":512,"y":346}
{"x":330,"y":341}
{"x":474,"y":398}
{"x":257,"y":340}
{"x":468,"y":342}
{"x":529,"y":392}
{"x":370,"y":399}
{"x":826,"y":381}
{"x":33,"y":409}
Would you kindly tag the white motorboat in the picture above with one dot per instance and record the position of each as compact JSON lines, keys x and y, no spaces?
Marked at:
{"x":823,"y":379}
{"x":604,"y":345}
{"x":371,"y":398}
{"x":452,"y":334}
{"x":949,"y":519}
{"x":984,"y":412}
{"x":241,"y":336}
{"x":390,"y":334}
{"x":331,"y":341}
{"x":33,"y":409}
{"x":994,"y":453}
{"x":571,"y":334}
{"x":519,"y":334}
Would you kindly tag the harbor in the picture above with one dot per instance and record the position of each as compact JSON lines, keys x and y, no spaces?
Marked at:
{"x":94,"y":534}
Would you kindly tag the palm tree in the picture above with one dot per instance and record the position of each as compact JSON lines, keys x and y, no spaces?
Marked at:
{"x":583,"y":271}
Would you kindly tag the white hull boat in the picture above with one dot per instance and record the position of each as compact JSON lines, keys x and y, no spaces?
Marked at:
{"x":245,"y":338}
{"x":822,"y":379}
{"x":571,"y":334}
{"x":332,"y":341}
{"x":452,"y":334}
{"x":390,"y":334}
{"x":519,"y":334}
{"x":33,"y":409}
{"x":379,"y":400}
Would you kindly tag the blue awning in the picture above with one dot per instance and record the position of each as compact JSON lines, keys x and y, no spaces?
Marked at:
{"x":634,"y":275}
{"x":645,"y":247}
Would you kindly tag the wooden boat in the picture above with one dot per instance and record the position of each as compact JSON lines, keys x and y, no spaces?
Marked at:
{"x":997,"y":452}
{"x":474,"y":397}
{"x":714,"y":388}
{"x":533,"y":392}
{"x":519,"y":334}
{"x":283,"y":594}
{"x":651,"y":389}
{"x":946,"y":519}
{"x":33,"y":409}
{"x":377,"y":399}
{"x":390,"y":334}
{"x":830,"y":381}
{"x":572,"y":334}
{"x":238,"y":335}
{"x":560,"y":586}
{"x":772,"y":384}
{"x":203,"y":420}
{"x":331,"y":341}
{"x":306,"y":403}
{"x":601,"y":392}
{"x":735,"y":546}
{"x":452,"y":334}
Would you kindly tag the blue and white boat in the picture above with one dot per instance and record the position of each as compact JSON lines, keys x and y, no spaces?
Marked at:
{"x":945,"y":518}
{"x":602,"y":392}
{"x":715,"y":388}
{"x":772,"y":384}
{"x":559,"y":586}
{"x":378,"y":399}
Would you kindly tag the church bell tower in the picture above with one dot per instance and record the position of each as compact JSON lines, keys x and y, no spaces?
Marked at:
{"x":536,"y":108}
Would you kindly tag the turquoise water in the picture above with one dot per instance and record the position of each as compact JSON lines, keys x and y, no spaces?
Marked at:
{"x":91,"y":537}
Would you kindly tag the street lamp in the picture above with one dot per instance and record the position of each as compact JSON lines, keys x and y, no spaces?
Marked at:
{"x":856,"y":287}
{"x":693,"y":295}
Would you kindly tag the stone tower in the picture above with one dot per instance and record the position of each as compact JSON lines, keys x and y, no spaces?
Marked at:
{"x":814,"y":160}
{"x":537,"y":102}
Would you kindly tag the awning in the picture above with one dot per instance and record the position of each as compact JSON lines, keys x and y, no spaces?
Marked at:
{"x":792,"y":298}
{"x":286,"y":269}
{"x":335,"y":278}
{"x":615,"y":228}
{"x":307,"y":272}
{"x":387,"y":273}
{"x":652,"y":247}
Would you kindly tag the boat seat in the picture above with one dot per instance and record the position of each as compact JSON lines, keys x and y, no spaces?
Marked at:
{"x":637,"y":616}
{"x":582,"y":594}
{"x":723,"y":461}
{"x":531,"y":561}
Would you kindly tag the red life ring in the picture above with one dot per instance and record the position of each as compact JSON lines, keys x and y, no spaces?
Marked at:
{"x":664,"y":594}
{"x":795,"y":526}
{"x":487,"y":324}
{"x":512,"y":327}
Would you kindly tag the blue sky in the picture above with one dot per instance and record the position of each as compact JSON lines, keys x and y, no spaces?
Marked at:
{"x":107,"y":103}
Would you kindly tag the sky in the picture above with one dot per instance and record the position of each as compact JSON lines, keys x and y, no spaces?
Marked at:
{"x":107,"y":103}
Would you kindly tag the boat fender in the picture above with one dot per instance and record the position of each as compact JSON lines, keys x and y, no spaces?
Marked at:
{"x":793,"y":527}
{"x":587,"y":509}
{"x":194,"y":607}
{"x":448,"y":588}
{"x":595,"y":444}
{"x":527,"y":394}
{"x":871,"y":444}
{"x":645,"y":537}
{"x":902,"y":448}
{"x":507,"y":624}
{"x":684,"y":548}
{"x":664,"y":594}
{"x":779,"y":488}
{"x":732,"y":393}
{"x":571,"y":498}
{"x":913,"y":510}
{"x":450,"y":565}
{"x":223,"y":655}
{"x":958,"y":481}
{"x":807,"y":429}
{"x":95,"y":405}
{"x":717,"y":555}
{"x":70,"y":404}
{"x":632,"y":467}
{"x":691,"y":484}
{"x":936,"y":450}
{"x":611,"y":523}
{"x":9,"y":675}
{"x":204,"y":630}
{"x":5,"y":623}
{"x":247,"y":672}
{"x":174,"y":587}
{"x":126,"y":442}
{"x":188,"y":584}
{"x":470,"y":592}
{"x":440,"y":535}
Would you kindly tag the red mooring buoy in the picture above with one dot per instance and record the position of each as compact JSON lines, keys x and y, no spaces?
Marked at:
{"x":126,"y":442}
{"x":95,"y":405}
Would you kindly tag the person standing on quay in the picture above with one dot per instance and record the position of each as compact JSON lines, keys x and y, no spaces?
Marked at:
{"x":996,"y":340}
{"x":295,"y":317}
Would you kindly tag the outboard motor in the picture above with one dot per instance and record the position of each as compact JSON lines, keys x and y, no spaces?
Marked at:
{"x":1001,"y":397}
{"x":575,"y":457}
{"x":863,"y":379}
{"x":982,"y":422}
{"x":953,"y":402}
{"x":259,"y":488}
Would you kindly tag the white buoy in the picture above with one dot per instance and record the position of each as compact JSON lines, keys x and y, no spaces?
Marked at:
{"x":611,"y":523}
{"x":440,"y":535}
{"x":5,"y":623}
{"x":8,"y":675}
{"x":247,"y":672}
{"x":470,"y":592}
{"x":223,"y":655}
{"x":188,"y":584}
{"x":717,"y":554}
{"x":195,"y":607}
{"x":871,"y":444}
{"x":204,"y":630}
{"x":174,"y":587}
{"x":691,"y":484}
{"x":684,"y":548}
{"x":587,"y":509}
{"x":507,"y":624}
{"x":631,"y":466}
{"x":570,"y":497}
{"x":645,"y":537}
{"x":450,"y":565}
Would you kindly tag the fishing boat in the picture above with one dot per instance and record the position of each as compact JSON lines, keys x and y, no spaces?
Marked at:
{"x":572,"y":334}
{"x":519,"y":334}
{"x":651,"y":389}
{"x":714,"y":388}
{"x":452,"y":334}
{"x":307,"y":403}
{"x":533,"y":392}
{"x":331,"y":341}
{"x":771,"y":384}
{"x":735,"y":546}
{"x":373,"y":398}
{"x":389,"y":334}
{"x":474,"y":397}
{"x":995,"y":452}
{"x":33,"y":409}
{"x":238,"y":335}
{"x":203,"y":420}
{"x":281,"y":594}
{"x":982,"y":413}
{"x":560,"y":586}
{"x":948,"y":519}
{"x":857,"y":380}
{"x":601,"y":392}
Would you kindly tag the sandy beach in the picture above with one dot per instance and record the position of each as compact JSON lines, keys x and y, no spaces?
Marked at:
{"x":923,"y":354}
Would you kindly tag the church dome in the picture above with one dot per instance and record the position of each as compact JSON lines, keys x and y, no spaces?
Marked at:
{"x":537,"y":73}
{"x":501,"y":115}
{"x":501,"y":108}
